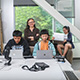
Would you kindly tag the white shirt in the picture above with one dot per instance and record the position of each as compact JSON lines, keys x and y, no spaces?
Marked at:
{"x":65,"y":36}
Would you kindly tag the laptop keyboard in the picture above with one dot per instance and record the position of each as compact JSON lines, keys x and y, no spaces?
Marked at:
{"x":70,"y":75}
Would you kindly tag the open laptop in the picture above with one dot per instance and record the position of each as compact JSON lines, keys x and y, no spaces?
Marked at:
{"x":58,"y":36}
{"x":16,"y":54}
{"x":44,"y":54}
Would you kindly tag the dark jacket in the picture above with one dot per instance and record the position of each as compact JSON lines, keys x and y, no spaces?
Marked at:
{"x":23,"y":43}
{"x":70,"y":39}
{"x":28,"y":33}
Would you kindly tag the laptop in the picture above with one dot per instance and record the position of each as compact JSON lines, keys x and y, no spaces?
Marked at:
{"x":58,"y":36}
{"x":16,"y":54}
{"x":44,"y":54}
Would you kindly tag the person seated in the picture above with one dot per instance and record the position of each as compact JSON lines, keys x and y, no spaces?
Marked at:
{"x":18,"y":43}
{"x":44,"y":44}
{"x":67,"y":43}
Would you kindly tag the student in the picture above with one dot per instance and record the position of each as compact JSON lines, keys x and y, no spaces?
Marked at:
{"x":44,"y":44}
{"x":31,"y":33}
{"x":18,"y":43}
{"x":67,"y":43}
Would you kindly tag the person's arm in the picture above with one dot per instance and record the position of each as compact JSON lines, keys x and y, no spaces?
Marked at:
{"x":35,"y":49}
{"x":26,"y":37}
{"x":26,"y":49}
{"x":69,"y":38}
{"x":37,"y":35}
{"x":53,"y":48}
{"x":52,"y":39}
{"x":7,"y":45}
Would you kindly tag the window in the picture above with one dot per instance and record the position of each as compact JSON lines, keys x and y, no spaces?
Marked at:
{"x":65,"y":7}
{"x":42,"y":18}
{"x":59,"y":27}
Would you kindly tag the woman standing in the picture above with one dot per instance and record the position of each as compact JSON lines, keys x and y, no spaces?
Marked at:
{"x":31,"y":33}
{"x":67,"y":43}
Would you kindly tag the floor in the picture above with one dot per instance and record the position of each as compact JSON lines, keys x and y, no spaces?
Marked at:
{"x":76,"y":64}
{"x":76,"y":67}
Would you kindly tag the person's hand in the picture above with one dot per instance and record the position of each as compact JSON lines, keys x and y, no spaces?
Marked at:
{"x":64,"y":41}
{"x":32,"y":38}
{"x":53,"y":38}
{"x":53,"y":56}
{"x":37,"y":34}
{"x":29,"y":37}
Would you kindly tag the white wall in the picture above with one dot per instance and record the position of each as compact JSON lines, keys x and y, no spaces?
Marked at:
{"x":76,"y":51}
{"x":7,"y":18}
{"x":77,"y":13}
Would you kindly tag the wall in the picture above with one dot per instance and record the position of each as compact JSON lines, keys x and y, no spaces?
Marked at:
{"x":29,"y":2}
{"x":7,"y":18}
{"x":0,"y":23}
{"x":77,"y":13}
{"x":0,"y":29}
{"x":76,"y":51}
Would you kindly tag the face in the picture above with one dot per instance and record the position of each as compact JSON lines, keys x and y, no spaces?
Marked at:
{"x":44,"y":37}
{"x":31,"y":23}
{"x":17,"y":39}
{"x":65,"y":30}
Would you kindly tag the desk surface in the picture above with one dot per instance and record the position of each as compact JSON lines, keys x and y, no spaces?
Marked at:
{"x":15,"y":72}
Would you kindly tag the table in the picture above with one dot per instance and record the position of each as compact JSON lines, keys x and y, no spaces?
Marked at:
{"x":15,"y":72}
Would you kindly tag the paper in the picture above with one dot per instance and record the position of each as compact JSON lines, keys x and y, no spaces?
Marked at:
{"x":59,"y":36}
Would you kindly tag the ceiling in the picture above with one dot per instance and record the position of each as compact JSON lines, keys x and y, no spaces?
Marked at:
{"x":29,"y":2}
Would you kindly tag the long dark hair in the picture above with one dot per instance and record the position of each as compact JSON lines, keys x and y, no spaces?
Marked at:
{"x":27,"y":26}
{"x":67,"y":27}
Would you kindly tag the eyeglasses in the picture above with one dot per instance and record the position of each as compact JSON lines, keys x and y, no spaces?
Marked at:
{"x":31,"y":22}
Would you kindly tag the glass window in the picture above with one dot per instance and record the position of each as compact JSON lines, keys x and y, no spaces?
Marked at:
{"x":65,"y":7}
{"x":58,"y":27}
{"x":42,"y":18}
